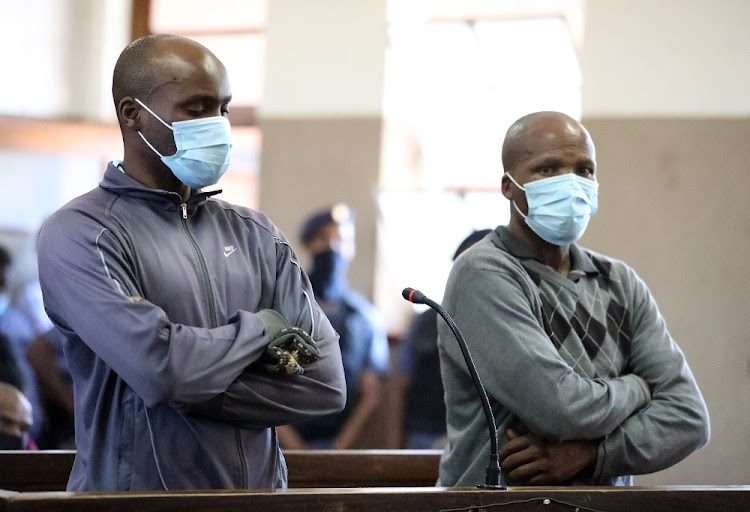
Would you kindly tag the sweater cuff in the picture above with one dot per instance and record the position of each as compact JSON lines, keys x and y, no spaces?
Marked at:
{"x":645,"y":391}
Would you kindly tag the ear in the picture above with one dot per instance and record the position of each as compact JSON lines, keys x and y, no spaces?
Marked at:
{"x":129,"y":113}
{"x":505,"y":185}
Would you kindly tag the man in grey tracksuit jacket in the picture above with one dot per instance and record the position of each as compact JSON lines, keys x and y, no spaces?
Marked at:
{"x":182,"y":317}
{"x":203,"y":268}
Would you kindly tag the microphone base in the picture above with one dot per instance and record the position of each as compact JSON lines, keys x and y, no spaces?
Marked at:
{"x":492,"y":487}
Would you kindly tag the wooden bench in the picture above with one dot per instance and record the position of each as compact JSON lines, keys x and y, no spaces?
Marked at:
{"x":547,"y":499}
{"x":49,"y":470}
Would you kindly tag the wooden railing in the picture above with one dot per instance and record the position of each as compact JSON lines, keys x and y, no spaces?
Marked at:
{"x":550,"y":499}
{"x":346,"y":481}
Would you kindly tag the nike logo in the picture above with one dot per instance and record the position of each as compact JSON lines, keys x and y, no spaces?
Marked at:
{"x":228,"y":250}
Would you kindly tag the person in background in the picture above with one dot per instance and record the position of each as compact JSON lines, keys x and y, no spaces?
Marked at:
{"x":46,"y":358}
{"x":16,"y":419}
{"x":419,"y":387}
{"x":16,"y":336}
{"x":328,"y":236}
{"x":586,"y":382}
{"x":189,"y":328}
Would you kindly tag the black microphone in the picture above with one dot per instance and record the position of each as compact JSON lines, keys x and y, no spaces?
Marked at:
{"x":493,"y":479}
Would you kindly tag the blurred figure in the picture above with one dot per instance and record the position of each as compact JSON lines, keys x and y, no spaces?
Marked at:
{"x":329,"y":237}
{"x":10,"y":371}
{"x":46,"y":358}
{"x":15,"y":419}
{"x":17,"y":336}
{"x":421,"y":411}
{"x":45,"y":355}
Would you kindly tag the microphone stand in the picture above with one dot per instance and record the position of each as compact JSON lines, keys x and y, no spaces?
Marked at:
{"x":493,"y":478}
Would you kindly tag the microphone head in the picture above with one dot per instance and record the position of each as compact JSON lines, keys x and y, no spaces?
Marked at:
{"x":413,"y":295}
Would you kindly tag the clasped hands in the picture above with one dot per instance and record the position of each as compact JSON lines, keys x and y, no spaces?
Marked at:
{"x":290,"y":348}
{"x":528,"y":459}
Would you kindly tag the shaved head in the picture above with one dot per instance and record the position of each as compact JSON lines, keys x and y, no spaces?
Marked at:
{"x":531,"y":133}
{"x":15,"y":411}
{"x":150,"y":60}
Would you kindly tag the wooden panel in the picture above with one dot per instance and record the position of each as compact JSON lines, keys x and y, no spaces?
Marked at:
{"x":363,"y":468}
{"x":49,"y":470}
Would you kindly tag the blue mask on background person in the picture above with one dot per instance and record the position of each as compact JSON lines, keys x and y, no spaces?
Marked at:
{"x":203,"y":146}
{"x":560,"y":207}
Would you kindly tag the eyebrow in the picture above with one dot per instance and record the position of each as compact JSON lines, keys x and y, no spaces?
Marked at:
{"x":207,"y":97}
{"x":555,"y":161}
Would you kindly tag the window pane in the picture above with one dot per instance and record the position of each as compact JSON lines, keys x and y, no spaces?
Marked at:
{"x":461,"y":84}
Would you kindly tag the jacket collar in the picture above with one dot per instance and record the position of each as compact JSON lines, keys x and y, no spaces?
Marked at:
{"x":115,"y":180}
{"x":580,"y":261}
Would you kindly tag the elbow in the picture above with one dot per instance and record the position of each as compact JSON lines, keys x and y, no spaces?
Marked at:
{"x":337,"y":399}
{"x":702,"y":428}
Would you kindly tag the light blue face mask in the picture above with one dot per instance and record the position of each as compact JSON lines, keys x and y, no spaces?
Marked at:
{"x":203,"y":146}
{"x":560,"y":207}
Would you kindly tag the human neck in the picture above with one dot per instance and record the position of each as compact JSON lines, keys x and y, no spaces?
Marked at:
{"x":557,"y":257}
{"x":149,"y":175}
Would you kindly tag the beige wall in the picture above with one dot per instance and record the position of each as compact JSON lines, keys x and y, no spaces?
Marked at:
{"x":314,"y":162}
{"x":673,"y":205}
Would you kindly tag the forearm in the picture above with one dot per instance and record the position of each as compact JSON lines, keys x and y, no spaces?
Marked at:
{"x":673,"y":426}
{"x":260,"y":400}
{"x":676,"y":422}
{"x":369,"y":395}
{"x":49,"y":375}
{"x":89,"y":287}
{"x":520,"y":366}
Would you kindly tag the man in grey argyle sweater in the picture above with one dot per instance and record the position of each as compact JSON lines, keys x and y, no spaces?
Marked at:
{"x":586,"y":383}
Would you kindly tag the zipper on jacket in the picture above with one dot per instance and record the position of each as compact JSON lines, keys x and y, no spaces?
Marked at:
{"x":204,"y":268}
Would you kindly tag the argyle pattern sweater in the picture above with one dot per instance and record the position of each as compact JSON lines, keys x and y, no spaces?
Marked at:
{"x":559,"y":356}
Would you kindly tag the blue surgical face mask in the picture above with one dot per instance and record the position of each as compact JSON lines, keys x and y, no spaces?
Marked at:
{"x":559,"y":207}
{"x":203,"y":146}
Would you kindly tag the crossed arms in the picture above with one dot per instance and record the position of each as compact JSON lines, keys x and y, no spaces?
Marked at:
{"x":639,"y":422}
{"x":89,"y":282}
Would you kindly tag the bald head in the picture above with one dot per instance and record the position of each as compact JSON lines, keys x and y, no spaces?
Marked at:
{"x":150,"y":61}
{"x":534,"y":133}
{"x":15,"y":411}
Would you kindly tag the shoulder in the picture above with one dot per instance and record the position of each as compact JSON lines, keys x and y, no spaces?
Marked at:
{"x":357,"y":306}
{"x":488,"y":261}
{"x":81,"y":219}
{"x":242,"y":214}
{"x":612,"y":269}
